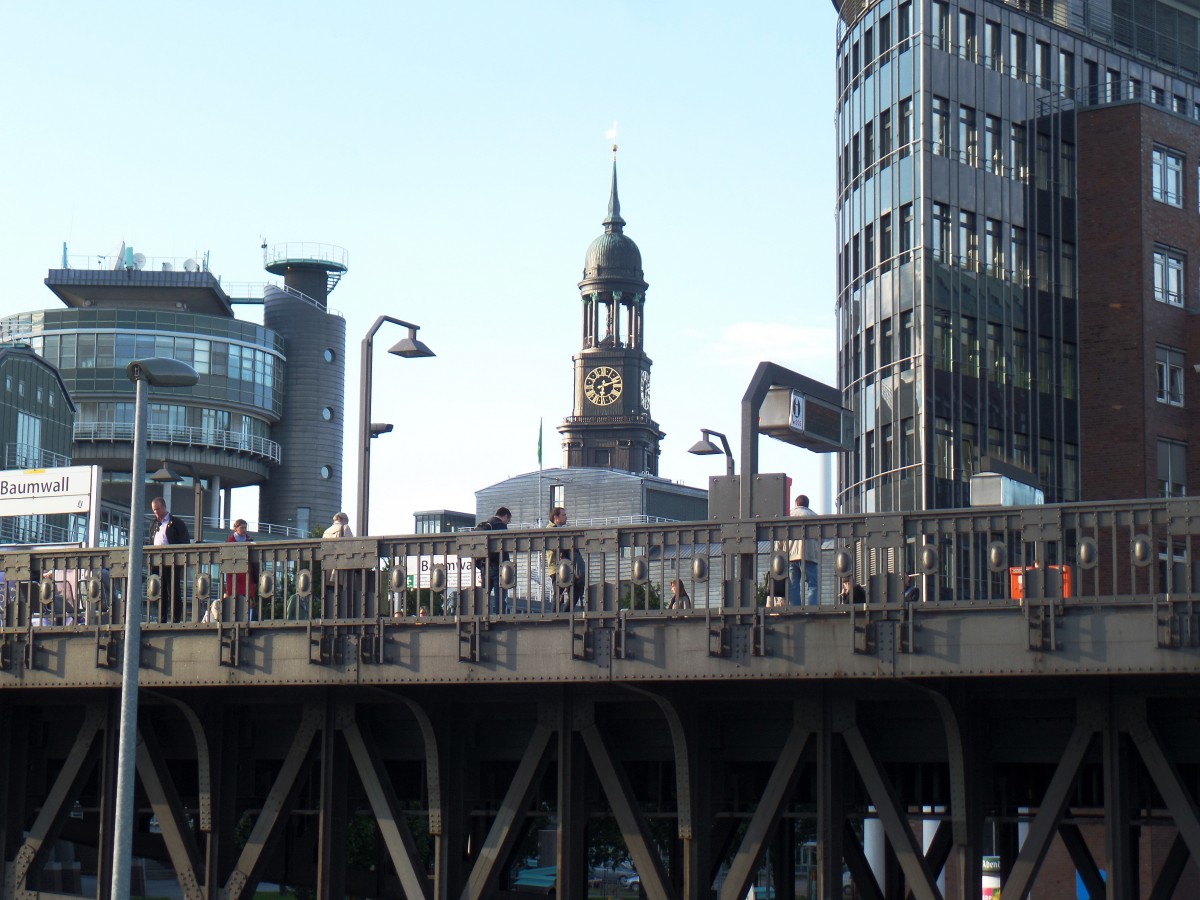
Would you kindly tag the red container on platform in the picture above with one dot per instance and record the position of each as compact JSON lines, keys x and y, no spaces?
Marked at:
{"x":1016,"y":581}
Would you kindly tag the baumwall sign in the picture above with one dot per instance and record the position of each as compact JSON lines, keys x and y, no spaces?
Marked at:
{"x":36,"y":492}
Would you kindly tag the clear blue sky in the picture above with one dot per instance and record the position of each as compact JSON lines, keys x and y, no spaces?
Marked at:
{"x":458,"y":152}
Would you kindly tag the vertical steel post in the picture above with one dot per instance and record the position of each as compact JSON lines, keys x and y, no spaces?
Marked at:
{"x":127,"y":745}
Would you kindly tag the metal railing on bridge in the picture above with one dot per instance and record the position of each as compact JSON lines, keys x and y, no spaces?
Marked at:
{"x":1090,"y":555}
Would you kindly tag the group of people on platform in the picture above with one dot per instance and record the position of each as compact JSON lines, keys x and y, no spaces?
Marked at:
{"x":565,"y":584}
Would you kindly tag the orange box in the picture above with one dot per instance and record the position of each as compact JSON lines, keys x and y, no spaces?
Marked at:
{"x":1016,"y":580}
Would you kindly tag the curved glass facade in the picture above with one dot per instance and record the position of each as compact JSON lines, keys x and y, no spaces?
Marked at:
{"x":239,"y":363}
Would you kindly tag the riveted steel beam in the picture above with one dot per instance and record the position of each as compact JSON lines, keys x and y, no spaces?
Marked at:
{"x":805,"y":721}
{"x":268,"y":827}
{"x":172,"y":817}
{"x":503,"y":835}
{"x":63,"y":793}
{"x":389,"y":815}
{"x":892,"y":814}
{"x":629,"y":817}
{"x":1089,"y":720}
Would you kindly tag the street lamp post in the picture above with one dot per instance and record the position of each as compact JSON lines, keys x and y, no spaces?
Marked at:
{"x":705,"y":447}
{"x":166,"y":476}
{"x":144,"y":373}
{"x":409,"y":348}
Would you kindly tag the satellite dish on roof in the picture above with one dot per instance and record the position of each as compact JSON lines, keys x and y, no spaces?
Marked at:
{"x":139,"y":261}
{"x":190,"y":265}
{"x":167,"y":267}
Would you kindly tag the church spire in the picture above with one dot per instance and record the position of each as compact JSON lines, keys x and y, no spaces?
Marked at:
{"x":614,"y":224}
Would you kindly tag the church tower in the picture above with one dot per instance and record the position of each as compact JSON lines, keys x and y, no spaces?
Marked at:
{"x":610,"y":425}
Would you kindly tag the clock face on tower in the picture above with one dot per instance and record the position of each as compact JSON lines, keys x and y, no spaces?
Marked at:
{"x":603,"y":385}
{"x":645,"y":392}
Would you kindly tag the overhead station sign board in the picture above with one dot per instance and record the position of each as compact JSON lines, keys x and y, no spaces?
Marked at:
{"x":799,"y":418}
{"x":38,"y":492}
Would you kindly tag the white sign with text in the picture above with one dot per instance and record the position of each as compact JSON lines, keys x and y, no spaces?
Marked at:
{"x":37,"y":492}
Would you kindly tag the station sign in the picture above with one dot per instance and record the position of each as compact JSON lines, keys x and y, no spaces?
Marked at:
{"x":37,"y":492}
{"x":460,"y":571}
{"x":799,"y":418}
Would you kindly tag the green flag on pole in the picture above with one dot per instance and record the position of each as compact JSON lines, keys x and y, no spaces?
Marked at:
{"x":539,"y":443}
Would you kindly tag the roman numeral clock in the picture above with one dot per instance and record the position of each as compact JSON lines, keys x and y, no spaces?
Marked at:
{"x":610,"y":425}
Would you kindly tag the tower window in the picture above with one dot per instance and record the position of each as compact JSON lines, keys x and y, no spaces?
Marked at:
{"x":1172,"y":469}
{"x":1168,"y":276}
{"x":1166,"y":176}
{"x":1168,"y":366}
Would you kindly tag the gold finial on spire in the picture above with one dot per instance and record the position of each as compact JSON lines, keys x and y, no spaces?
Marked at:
{"x":611,"y":134}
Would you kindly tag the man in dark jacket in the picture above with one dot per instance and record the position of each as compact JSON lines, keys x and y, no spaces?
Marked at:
{"x":496,"y":597}
{"x":169,"y":530}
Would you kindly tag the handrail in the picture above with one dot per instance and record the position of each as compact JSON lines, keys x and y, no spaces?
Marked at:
{"x":1017,"y":560}
{"x":186,"y":435}
{"x":256,"y":290}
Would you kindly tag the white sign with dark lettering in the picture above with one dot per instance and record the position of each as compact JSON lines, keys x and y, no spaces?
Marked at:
{"x":36,"y":492}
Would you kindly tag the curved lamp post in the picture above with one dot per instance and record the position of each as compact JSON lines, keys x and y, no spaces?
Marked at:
{"x":144,"y":373}
{"x":705,"y":447}
{"x":409,"y":348}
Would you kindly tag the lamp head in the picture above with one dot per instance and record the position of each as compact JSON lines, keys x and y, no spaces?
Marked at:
{"x":410,"y":347}
{"x":161,"y":371}
{"x":166,"y":475}
{"x":704,"y":447}
{"x":378,"y":428}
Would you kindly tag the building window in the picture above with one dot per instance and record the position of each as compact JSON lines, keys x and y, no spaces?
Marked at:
{"x":1044,"y":278}
{"x":1168,"y":365}
{"x":1045,"y":366}
{"x":1168,"y":276}
{"x":29,"y":441}
{"x":969,"y":339}
{"x":885,"y":240}
{"x":907,"y":229}
{"x":868,"y":46}
{"x":1020,"y":365}
{"x":968,"y":240}
{"x":941,"y":233}
{"x":943,"y":340}
{"x":1172,"y":469}
{"x":326,"y":471}
{"x":1042,"y":163}
{"x":885,"y":136}
{"x":940,"y":26}
{"x":1166,"y":176}
{"x":966,"y":35}
{"x":1157,"y":97}
{"x":991,"y":46}
{"x":1019,"y":166}
{"x":1018,"y":67}
{"x":869,"y":249}
{"x":1179,"y":104}
{"x":1066,"y":72}
{"x":885,"y":32}
{"x":1135,"y":89}
{"x":1041,"y":64}
{"x":995,"y":355}
{"x":906,"y":126}
{"x":904,"y":21}
{"x":1066,"y":168}
{"x":1067,"y":269}
{"x":1019,"y":253}
{"x":1112,"y":85}
{"x":968,"y":137}
{"x":868,"y":145}
{"x":941,"y":126}
{"x":993,"y":248}
{"x":993,"y":147}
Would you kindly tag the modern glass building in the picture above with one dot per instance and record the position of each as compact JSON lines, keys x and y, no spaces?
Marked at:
{"x":961,"y":128}
{"x":226,"y":431}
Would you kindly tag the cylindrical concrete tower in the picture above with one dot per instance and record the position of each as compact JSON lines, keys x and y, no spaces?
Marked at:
{"x":306,"y":488}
